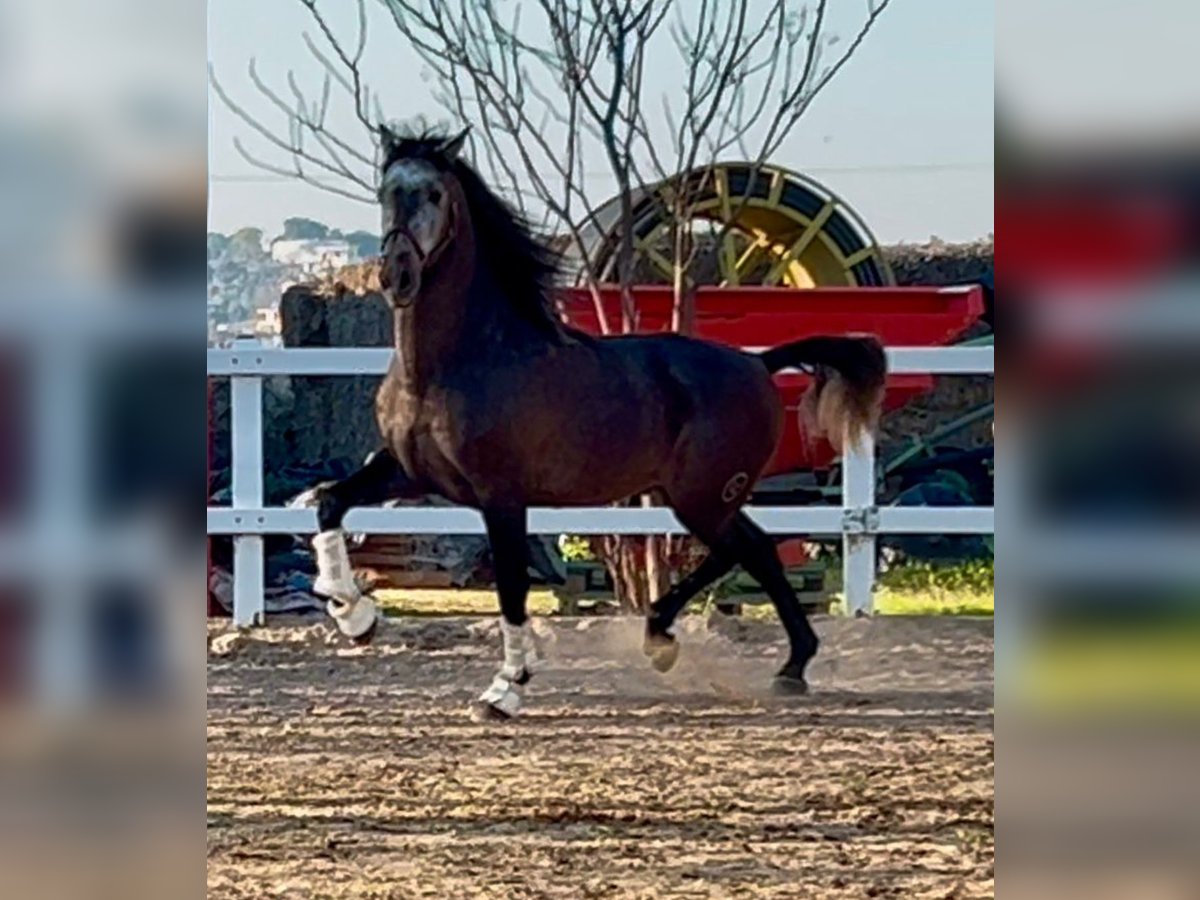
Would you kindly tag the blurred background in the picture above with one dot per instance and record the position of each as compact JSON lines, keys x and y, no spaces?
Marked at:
{"x":1098,"y":617}
{"x":102,"y":216}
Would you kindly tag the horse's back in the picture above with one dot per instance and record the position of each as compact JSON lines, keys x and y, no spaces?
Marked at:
{"x":717,"y":393}
{"x":708,"y":375}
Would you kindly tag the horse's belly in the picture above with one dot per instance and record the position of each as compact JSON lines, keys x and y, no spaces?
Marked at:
{"x":595,"y":491}
{"x":580,"y":469}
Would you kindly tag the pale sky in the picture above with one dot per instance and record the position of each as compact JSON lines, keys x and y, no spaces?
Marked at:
{"x":904,"y":133}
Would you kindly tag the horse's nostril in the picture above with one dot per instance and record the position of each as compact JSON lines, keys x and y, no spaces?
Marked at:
{"x":404,"y":281}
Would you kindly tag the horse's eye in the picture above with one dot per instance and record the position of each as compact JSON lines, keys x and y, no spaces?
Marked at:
{"x":435,"y":196}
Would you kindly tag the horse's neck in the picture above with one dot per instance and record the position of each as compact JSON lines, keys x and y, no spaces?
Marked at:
{"x":456,"y":320}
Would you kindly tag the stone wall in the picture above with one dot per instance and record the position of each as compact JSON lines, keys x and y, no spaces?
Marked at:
{"x":314,"y":427}
{"x":938,"y":263}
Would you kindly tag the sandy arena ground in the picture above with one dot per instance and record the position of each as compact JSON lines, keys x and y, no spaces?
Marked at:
{"x":347,"y":772}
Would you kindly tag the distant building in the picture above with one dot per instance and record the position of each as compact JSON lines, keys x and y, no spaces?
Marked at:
{"x":266,"y":327}
{"x":313,"y":256}
{"x":268,"y":324}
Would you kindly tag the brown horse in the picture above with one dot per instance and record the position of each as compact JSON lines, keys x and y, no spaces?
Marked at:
{"x":493,"y":402}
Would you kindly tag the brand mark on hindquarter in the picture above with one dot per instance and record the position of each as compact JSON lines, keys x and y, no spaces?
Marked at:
{"x":734,"y":487}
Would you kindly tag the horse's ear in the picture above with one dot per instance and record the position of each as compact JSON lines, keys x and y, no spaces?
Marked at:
{"x":387,"y":139}
{"x":453,"y":146}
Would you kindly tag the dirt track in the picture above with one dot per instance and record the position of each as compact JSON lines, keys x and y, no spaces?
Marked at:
{"x":337,"y":772}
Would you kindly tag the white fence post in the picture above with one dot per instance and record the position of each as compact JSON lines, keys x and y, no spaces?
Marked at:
{"x":246,"y":464}
{"x":64,"y":654}
{"x":858,"y":526}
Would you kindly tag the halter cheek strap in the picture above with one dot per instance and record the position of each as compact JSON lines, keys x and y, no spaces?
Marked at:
{"x":425,"y":259}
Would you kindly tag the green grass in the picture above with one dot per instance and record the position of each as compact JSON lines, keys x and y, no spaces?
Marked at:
{"x":892,"y":602}
{"x":921,"y":589}
{"x":1108,"y":667}
{"x":910,"y":590}
{"x":456,"y":602}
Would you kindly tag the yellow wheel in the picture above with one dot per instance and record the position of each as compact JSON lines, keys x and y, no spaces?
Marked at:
{"x":774,"y":228}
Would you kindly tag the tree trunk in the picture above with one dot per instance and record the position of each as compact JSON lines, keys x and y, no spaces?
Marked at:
{"x":658,"y":570}
{"x":683,"y":304}
{"x":624,"y":557}
{"x":638,"y":577}
{"x":625,"y":262}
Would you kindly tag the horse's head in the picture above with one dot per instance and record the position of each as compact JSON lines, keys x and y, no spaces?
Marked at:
{"x":419,"y":197}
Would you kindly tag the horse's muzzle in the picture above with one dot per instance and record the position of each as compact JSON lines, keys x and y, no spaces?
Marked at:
{"x":400,"y":274}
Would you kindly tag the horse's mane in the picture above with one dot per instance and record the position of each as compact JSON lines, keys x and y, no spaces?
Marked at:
{"x":522,"y":266}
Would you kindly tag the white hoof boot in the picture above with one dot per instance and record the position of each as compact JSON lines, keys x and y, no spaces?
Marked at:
{"x":502,"y":699}
{"x":355,"y":619}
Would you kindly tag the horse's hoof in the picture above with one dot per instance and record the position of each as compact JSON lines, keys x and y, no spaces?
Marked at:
{"x":356,"y":619}
{"x":789,"y":686}
{"x":482,"y":711}
{"x":367,"y":636}
{"x":662,"y":649}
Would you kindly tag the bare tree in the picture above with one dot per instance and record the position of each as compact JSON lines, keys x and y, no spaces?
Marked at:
{"x":552,"y":85}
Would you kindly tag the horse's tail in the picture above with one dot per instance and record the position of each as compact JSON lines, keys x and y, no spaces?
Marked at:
{"x":846,"y":397}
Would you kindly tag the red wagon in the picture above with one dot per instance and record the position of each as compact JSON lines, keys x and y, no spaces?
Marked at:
{"x":752,"y":316}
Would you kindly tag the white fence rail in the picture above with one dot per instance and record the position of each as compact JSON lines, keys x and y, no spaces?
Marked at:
{"x":859,"y":520}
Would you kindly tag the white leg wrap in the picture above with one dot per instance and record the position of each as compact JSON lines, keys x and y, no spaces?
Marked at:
{"x":354,"y":613}
{"x":518,"y":645}
{"x":335,"y":578}
{"x":520,"y":656}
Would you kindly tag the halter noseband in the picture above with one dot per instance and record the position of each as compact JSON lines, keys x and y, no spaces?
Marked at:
{"x":424,"y":259}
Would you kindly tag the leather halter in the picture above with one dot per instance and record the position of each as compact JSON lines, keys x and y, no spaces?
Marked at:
{"x":426,"y":260}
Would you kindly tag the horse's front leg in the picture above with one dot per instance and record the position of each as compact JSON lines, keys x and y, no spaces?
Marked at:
{"x":507,"y":531}
{"x":381,"y":478}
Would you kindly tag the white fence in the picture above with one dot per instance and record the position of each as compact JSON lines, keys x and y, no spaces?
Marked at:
{"x":859,"y":520}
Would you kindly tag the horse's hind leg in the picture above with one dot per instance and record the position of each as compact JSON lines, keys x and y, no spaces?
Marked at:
{"x":381,"y":478}
{"x":507,"y":533}
{"x":711,"y":525}
{"x":734,"y":539}
{"x":660,"y":645}
{"x":758,"y":556}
